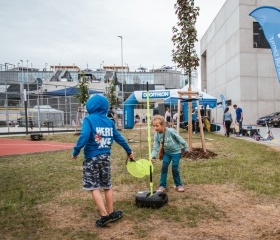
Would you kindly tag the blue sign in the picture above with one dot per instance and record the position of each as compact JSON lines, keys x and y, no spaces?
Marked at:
{"x":269,"y":19}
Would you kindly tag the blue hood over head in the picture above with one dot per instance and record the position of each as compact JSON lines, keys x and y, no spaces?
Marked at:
{"x":97,"y":104}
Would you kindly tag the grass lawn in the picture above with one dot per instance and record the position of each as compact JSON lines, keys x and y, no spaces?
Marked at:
{"x":41,"y":196}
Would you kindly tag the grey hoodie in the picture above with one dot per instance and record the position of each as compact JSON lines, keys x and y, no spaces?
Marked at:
{"x":227,"y":117}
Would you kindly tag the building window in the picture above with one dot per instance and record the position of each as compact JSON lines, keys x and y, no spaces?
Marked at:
{"x":259,"y":38}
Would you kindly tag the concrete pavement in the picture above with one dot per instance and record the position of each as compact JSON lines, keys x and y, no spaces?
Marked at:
{"x":263,"y":133}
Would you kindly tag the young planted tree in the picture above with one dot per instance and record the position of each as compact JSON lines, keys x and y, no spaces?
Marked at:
{"x":111,"y":94}
{"x":112,"y":98}
{"x":83,"y":90}
{"x":185,"y":36}
{"x":184,"y":55}
{"x":82,"y":97}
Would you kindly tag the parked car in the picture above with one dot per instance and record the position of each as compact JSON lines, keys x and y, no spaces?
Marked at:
{"x":262,"y":120}
{"x":275,"y":121}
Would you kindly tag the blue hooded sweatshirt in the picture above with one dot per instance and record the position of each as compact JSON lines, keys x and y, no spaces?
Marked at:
{"x":98,"y":131}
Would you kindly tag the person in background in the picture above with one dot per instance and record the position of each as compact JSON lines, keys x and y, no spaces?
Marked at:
{"x":19,"y":120}
{"x":227,"y":120}
{"x":143,"y":118}
{"x":172,"y":152}
{"x":175,"y":117}
{"x":136,"y":119}
{"x":239,"y":118}
{"x":202,"y":111}
{"x":167,"y":117}
{"x":30,"y":122}
{"x":181,"y":116}
{"x":194,"y":121}
{"x":111,"y":114}
{"x":97,"y":136}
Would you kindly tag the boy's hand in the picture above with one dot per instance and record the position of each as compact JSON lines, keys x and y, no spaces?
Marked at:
{"x":73,"y":157}
{"x":131,"y":155}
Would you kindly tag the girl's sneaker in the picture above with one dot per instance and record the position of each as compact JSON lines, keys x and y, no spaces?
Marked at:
{"x":116,"y":215}
{"x":161,"y":189}
{"x":103,"y":221}
{"x":180,"y":189}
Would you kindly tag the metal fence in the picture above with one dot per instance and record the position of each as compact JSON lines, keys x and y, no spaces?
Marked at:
{"x":45,"y":111}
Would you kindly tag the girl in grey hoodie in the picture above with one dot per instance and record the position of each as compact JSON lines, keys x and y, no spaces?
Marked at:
{"x":227,"y":120}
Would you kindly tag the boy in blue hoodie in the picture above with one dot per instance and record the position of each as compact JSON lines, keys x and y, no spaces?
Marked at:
{"x":97,"y":136}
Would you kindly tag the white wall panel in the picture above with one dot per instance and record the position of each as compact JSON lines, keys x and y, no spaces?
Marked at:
{"x":266,"y":89}
{"x":249,"y":88}
{"x":248,"y":66}
{"x":232,"y":46}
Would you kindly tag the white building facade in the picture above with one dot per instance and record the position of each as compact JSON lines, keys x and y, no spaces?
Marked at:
{"x":234,"y":64}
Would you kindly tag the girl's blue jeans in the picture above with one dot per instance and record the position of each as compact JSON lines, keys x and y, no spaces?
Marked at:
{"x":167,"y":158}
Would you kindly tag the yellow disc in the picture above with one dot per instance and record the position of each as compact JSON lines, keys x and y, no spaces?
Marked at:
{"x":136,"y":169}
{"x":146,"y":164}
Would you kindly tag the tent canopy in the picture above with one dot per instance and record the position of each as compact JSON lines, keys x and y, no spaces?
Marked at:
{"x":44,"y":113}
{"x":204,"y":98}
{"x":70,"y":91}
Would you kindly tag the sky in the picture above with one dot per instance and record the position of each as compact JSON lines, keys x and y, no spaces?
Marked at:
{"x":85,"y":33}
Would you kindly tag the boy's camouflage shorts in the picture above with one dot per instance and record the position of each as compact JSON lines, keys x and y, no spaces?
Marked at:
{"x":97,"y":172}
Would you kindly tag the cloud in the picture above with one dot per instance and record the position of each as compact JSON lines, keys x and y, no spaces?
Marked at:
{"x":85,"y":32}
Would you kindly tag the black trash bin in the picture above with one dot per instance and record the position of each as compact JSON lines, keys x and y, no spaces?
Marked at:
{"x":36,"y":136}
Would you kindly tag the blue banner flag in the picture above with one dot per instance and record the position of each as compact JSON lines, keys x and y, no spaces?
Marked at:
{"x":269,"y":19}
{"x":223,"y":101}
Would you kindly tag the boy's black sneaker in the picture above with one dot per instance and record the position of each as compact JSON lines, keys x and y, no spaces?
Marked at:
{"x":102,"y":221}
{"x":116,"y":215}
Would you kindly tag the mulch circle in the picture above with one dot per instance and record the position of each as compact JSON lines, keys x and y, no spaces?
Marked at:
{"x":198,"y":153}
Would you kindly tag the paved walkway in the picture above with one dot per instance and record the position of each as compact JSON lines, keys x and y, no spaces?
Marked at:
{"x":263,"y":132}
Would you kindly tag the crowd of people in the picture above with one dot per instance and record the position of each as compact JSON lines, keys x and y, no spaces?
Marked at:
{"x":20,"y":123}
{"x":169,"y":118}
{"x":227,"y":121}
{"x":172,"y":119}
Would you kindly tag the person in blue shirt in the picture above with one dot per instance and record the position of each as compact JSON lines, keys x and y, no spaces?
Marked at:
{"x":97,"y":136}
{"x":194,"y":121}
{"x":239,"y":118}
{"x":172,"y":151}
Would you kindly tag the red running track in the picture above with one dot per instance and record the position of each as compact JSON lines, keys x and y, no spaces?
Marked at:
{"x":17,"y":146}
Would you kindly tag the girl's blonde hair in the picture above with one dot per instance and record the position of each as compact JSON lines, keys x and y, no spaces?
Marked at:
{"x":159,"y":118}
